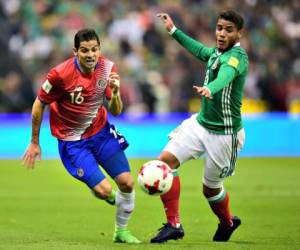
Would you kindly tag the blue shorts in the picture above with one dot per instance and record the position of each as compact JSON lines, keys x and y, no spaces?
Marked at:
{"x":81,"y":158}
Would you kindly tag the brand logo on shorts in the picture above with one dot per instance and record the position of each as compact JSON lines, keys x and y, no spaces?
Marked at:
{"x":80,"y":172}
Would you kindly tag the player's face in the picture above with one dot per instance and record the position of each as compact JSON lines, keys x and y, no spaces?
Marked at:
{"x":226,"y":34}
{"x":88,"y":54}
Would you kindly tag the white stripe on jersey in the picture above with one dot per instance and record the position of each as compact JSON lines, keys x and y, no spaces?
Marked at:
{"x":226,"y":109}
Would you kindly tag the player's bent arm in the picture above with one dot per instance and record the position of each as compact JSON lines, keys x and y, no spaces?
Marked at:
{"x":115,"y":104}
{"x":225,"y":77}
{"x":196,"y":48}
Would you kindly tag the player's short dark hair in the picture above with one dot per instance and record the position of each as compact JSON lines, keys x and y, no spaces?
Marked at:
{"x":232,"y":16}
{"x":85,"y":35}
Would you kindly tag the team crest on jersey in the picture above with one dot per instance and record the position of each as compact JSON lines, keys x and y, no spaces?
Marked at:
{"x":215,"y":65}
{"x":80,"y":172}
{"x":101,"y":83}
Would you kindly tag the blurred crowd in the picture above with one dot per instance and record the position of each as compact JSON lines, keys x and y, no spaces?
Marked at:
{"x":157,"y":74}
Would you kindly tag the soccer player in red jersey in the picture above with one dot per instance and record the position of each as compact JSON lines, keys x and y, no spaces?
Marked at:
{"x":75,"y":91}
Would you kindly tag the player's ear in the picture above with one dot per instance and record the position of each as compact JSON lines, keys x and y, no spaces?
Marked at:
{"x":75,"y":51}
{"x":240,"y":33}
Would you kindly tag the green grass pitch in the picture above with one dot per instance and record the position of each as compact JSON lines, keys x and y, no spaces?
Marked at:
{"x":48,"y":209}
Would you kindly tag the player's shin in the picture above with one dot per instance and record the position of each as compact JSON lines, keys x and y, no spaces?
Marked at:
{"x":220,"y":206}
{"x":171,"y":201}
{"x":125,"y":206}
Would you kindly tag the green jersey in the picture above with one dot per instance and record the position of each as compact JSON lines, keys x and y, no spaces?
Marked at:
{"x":225,"y":78}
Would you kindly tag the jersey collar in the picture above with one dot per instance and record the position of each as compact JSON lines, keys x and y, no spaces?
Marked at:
{"x":78,"y":67}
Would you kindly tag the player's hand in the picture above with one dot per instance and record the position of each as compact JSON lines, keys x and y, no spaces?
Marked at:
{"x":114,"y":83}
{"x":167,"y":20}
{"x":32,"y":153}
{"x":204,"y":91}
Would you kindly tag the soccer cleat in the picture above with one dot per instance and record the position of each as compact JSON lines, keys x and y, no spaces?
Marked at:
{"x":125,"y":236}
{"x":168,"y":232}
{"x":223,"y":234}
{"x":111,"y":202}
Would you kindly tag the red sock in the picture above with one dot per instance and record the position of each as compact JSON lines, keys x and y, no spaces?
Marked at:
{"x":222,"y":210}
{"x":171,"y":202}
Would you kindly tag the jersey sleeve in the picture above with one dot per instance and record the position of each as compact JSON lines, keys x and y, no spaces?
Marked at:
{"x":231,"y":66}
{"x":235,"y":60}
{"x":50,"y":90}
{"x":225,"y":76}
{"x":196,"y":48}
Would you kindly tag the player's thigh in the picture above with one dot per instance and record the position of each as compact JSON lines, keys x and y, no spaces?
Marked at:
{"x":107,"y":143}
{"x":221,"y":156}
{"x":108,"y":149}
{"x":117,"y":166}
{"x":80,"y":162}
{"x":186,"y":141}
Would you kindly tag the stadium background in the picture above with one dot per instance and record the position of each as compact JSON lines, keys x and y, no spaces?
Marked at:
{"x":47,"y":209}
{"x":157,"y":75}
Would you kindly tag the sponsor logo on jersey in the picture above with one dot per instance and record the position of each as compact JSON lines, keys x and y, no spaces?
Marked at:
{"x":233,"y":61}
{"x":47,"y":86}
{"x":78,"y":89}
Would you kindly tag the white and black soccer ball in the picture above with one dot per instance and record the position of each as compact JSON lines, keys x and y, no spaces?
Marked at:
{"x":155,"y":177}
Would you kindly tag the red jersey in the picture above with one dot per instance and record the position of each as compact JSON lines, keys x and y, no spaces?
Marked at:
{"x":76,"y":99}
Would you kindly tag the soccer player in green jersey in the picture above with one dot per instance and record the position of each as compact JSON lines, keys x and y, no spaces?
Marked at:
{"x":215,"y":131}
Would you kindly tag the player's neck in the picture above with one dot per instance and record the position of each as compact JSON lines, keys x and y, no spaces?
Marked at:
{"x":238,"y":43}
{"x":82,"y":69}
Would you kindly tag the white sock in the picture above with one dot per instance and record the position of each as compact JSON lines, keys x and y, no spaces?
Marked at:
{"x":125,"y":206}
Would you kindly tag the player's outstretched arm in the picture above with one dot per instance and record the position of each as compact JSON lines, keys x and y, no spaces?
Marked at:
{"x":195,"y":47}
{"x":167,"y":21}
{"x":33,"y":151}
{"x":115,"y":105}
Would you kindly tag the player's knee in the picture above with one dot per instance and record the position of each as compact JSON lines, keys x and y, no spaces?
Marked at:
{"x":126,"y":185}
{"x":210,"y":192}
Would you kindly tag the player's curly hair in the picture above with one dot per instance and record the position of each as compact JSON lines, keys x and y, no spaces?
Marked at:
{"x":85,"y":35}
{"x":232,"y":16}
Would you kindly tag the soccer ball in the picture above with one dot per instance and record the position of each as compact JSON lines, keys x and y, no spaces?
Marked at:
{"x":155,"y":177}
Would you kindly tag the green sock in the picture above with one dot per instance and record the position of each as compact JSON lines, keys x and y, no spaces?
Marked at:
{"x":112,"y":196}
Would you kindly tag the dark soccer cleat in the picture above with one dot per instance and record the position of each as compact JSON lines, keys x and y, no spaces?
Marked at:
{"x":223,"y":234}
{"x":168,"y":232}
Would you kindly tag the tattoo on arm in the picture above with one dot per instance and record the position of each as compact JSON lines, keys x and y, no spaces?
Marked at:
{"x":37,"y":115}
